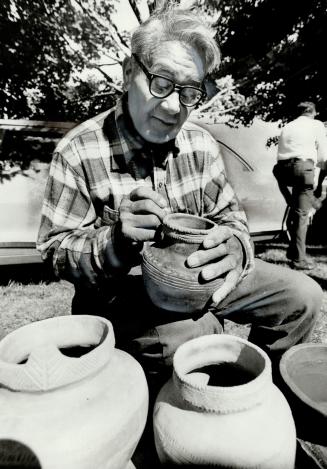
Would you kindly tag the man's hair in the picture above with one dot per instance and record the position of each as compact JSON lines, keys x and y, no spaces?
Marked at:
{"x":170,"y":23}
{"x":306,"y":107}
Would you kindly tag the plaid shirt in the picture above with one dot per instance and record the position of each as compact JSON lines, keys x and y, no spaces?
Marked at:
{"x":104,"y":159}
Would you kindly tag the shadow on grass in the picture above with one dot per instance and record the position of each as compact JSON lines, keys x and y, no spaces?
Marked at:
{"x":26,"y":274}
{"x":274,"y":251}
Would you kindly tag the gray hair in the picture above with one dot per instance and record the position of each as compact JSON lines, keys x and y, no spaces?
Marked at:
{"x":175,"y":24}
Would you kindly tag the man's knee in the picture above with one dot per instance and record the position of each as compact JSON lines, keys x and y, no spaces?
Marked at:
{"x":304,"y":293}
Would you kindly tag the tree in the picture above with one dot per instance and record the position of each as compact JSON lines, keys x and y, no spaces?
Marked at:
{"x":272,"y":49}
{"x":47,"y":48}
{"x":58,"y":57}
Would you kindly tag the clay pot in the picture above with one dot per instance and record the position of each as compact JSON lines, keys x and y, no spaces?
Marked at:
{"x":304,"y":371}
{"x":170,"y":284}
{"x":69,"y":396}
{"x":221,"y":408}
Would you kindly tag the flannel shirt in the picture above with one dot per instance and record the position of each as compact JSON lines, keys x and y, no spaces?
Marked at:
{"x":103,"y":159}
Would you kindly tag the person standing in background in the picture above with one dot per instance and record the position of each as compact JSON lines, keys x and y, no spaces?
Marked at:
{"x":302,"y":147}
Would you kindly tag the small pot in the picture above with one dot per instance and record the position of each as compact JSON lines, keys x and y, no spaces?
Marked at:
{"x":169,"y":282}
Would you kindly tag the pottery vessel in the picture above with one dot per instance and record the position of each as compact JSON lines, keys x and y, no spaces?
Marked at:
{"x":68,"y":397}
{"x":304,"y":371}
{"x":170,"y":284}
{"x":221,"y":409}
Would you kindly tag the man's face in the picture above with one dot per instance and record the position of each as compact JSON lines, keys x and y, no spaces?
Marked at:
{"x":158,"y":120}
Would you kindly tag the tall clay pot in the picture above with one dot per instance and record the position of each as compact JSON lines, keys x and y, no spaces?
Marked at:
{"x":221,"y":409}
{"x":170,"y":284}
{"x":84,"y":411}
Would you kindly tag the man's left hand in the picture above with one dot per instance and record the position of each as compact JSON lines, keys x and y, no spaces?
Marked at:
{"x":222,"y":254}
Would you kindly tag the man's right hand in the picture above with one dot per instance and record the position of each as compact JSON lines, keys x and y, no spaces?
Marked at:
{"x":141,"y":213}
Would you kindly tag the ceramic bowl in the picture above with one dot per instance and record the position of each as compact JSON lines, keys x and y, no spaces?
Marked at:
{"x":304,"y":371}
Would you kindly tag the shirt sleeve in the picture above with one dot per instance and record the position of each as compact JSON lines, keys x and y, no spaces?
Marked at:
{"x":222,"y":206}
{"x":80,"y":250}
{"x":321,"y":143}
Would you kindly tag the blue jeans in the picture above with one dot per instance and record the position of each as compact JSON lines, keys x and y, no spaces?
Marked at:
{"x":280,"y":304}
{"x":298,"y":174}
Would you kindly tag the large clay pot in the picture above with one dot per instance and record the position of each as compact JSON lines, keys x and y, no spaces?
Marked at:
{"x":221,"y":409}
{"x":84,"y":411}
{"x":170,"y":284}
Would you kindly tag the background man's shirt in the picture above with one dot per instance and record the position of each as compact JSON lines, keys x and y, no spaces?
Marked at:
{"x":104,"y":159}
{"x":303,"y":138}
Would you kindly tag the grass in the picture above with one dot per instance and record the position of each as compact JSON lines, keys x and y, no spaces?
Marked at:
{"x":21,"y":304}
{"x":275,"y":252}
{"x":29,"y":294}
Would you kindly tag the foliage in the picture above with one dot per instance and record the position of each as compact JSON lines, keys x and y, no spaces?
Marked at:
{"x":273,"y":51}
{"x":59,"y":58}
{"x":46,"y":46}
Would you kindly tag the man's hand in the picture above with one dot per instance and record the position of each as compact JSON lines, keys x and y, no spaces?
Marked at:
{"x":222,"y":253}
{"x":141,"y":213}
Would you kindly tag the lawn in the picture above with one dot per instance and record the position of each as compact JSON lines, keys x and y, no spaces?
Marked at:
{"x":28,"y":293}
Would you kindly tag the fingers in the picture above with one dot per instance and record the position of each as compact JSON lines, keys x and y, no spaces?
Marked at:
{"x":217,"y":237}
{"x":227,"y":287}
{"x":218,"y":269}
{"x":141,"y":213}
{"x":141,"y":234}
{"x":143,"y":221}
{"x":146,"y":193}
{"x":205,"y":256}
{"x":141,"y":207}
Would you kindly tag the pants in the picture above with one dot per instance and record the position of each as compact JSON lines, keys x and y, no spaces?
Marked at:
{"x":280,"y":304}
{"x":298,"y":174}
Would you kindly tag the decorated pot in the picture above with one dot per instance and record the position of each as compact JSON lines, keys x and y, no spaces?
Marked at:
{"x":171,"y":284}
{"x":68,"y":398}
{"x":221,"y":409}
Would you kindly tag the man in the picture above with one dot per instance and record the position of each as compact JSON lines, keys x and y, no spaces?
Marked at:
{"x":115,"y":177}
{"x":302,"y":146}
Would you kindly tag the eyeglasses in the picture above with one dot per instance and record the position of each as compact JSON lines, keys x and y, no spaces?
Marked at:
{"x":161,"y":87}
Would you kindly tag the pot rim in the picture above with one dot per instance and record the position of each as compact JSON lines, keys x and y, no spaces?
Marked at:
{"x":220,"y":399}
{"x":172,"y":221}
{"x":290,"y":383}
{"x":34,"y":375}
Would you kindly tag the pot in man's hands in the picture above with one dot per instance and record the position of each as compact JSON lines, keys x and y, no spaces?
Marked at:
{"x":170,"y":283}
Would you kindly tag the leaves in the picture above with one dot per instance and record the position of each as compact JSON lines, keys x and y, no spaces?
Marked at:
{"x":60,"y":59}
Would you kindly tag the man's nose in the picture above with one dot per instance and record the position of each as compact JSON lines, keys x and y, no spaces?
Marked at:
{"x":171,"y":103}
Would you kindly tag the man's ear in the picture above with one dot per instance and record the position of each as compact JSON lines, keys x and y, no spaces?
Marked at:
{"x":127,"y":72}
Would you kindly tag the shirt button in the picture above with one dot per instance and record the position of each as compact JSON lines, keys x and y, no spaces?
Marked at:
{"x":160,"y":185}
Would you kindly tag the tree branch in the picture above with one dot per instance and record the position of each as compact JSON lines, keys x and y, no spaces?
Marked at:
{"x":108,"y":78}
{"x":136,"y":10}
{"x":211,"y":101}
{"x":151,"y":5}
{"x":108,"y":26}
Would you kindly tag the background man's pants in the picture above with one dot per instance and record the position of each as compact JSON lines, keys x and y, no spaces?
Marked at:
{"x":298,"y":174}
{"x":281,"y":305}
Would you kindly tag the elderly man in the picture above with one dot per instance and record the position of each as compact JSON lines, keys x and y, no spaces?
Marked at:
{"x":115,"y":177}
{"x":302,"y":146}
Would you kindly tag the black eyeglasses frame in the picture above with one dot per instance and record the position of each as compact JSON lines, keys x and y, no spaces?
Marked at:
{"x":150,"y":76}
